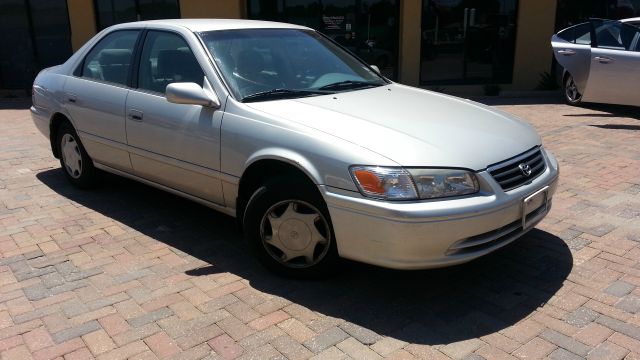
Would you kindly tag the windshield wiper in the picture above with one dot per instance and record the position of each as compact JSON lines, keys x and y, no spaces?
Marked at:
{"x":349,"y":84}
{"x":274,"y":94}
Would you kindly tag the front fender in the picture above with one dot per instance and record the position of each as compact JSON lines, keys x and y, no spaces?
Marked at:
{"x":287,"y":156}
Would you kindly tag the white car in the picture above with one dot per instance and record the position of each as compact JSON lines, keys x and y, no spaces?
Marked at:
{"x":600,"y":61}
{"x":315,"y":153}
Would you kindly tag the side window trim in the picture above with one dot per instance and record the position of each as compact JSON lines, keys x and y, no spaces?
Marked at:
{"x":132,"y":80}
{"x":138,"y":60}
{"x":78,"y":71}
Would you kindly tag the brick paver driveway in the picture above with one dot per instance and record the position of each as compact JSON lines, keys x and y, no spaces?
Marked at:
{"x":127,"y":271}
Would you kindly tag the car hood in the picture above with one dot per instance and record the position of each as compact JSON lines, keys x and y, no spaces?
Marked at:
{"x":412,"y":127}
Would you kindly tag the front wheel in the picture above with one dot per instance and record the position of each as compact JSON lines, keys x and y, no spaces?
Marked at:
{"x":571,"y":94}
{"x":74,"y":160}
{"x":289,"y":229}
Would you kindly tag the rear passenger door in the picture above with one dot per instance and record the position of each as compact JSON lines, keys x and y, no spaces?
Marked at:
{"x":95,"y":95}
{"x":172,"y":144}
{"x":615,"y":64}
{"x":572,"y":49}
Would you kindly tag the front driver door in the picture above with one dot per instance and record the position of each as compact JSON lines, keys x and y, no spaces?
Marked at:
{"x":173,"y":144}
{"x":615,"y":64}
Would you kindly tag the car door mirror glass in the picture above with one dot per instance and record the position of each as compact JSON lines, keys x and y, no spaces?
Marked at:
{"x":191,"y":94}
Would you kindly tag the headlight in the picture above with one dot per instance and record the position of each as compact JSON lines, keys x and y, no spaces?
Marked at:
{"x":412,"y":184}
{"x":436,"y":183}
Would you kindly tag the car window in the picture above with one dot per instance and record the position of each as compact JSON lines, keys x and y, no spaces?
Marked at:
{"x":578,"y":34}
{"x":615,"y":35}
{"x":110,"y":60}
{"x":253,"y":61}
{"x":582,"y":34}
{"x":166,"y":58}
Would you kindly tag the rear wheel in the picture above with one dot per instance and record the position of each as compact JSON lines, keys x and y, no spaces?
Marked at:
{"x":290,"y":231}
{"x":74,"y":160}
{"x":571,"y":94}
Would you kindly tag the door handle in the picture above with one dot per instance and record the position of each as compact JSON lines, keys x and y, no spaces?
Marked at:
{"x":566,"y":52}
{"x":604,"y":59}
{"x":135,"y":115}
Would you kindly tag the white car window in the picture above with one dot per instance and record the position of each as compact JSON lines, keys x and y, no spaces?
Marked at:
{"x":110,"y":60}
{"x":253,"y":61}
{"x":166,"y":58}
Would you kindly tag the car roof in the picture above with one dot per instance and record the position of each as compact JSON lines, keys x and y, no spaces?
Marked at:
{"x":199,"y":25}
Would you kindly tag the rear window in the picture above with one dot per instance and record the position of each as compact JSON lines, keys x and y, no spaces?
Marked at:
{"x":578,"y":34}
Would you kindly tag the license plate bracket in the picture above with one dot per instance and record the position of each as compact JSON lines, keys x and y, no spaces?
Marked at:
{"x":533,"y":202}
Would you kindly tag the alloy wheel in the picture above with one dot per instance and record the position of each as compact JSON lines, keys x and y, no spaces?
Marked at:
{"x":571,"y":90}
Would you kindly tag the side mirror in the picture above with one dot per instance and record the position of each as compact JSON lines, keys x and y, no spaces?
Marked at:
{"x":375,"y":68}
{"x":191,"y":94}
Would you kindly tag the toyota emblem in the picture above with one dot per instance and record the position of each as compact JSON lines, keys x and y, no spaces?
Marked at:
{"x":525,"y":169}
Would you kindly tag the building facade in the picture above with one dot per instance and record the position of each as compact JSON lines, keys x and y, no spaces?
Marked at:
{"x":457,"y":45}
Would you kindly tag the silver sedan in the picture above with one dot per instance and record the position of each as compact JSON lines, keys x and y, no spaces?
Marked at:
{"x":315,"y":153}
{"x":600,"y":61}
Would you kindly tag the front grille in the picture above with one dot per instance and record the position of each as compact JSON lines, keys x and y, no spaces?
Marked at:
{"x":508,"y":173}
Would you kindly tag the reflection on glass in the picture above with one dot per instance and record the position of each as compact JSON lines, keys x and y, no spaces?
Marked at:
{"x":571,"y":12}
{"x":111,"y":12}
{"x":35,"y":35}
{"x":468,"y":41}
{"x":368,"y":28}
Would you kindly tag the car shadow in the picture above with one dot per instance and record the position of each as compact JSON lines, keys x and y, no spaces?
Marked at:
{"x":425,"y":307}
{"x":15,"y":104}
{"x":618,"y":127}
{"x":609,"y":111}
{"x":518,"y":100}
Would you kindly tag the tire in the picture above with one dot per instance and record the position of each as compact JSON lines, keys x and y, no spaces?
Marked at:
{"x":75,"y":162}
{"x":571,"y":95}
{"x":304,"y":245}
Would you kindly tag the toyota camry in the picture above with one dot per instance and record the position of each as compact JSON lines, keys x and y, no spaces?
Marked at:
{"x":315,"y":153}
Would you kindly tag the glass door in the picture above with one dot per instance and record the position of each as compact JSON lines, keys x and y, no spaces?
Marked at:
{"x":468,"y":41}
{"x":111,"y":12}
{"x":368,"y":28}
{"x":33,"y":35}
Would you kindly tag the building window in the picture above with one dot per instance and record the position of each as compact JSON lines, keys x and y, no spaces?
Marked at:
{"x":571,"y":12}
{"x":36,"y":35}
{"x":111,"y":12}
{"x":468,"y":42}
{"x":368,"y":28}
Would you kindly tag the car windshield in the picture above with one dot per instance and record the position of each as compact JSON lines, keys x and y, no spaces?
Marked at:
{"x":267,"y":64}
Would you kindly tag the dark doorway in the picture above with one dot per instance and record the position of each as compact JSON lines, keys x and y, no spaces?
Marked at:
{"x":33,"y":35}
{"x":468,"y":41}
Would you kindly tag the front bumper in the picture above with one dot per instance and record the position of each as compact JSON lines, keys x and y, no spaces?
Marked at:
{"x":435,"y":233}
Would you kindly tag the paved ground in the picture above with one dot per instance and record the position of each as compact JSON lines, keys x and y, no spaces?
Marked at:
{"x":127,"y":271}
